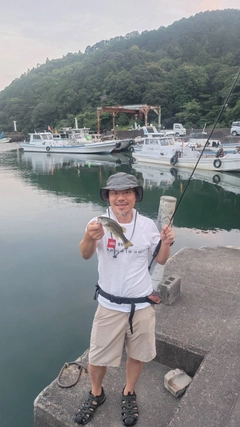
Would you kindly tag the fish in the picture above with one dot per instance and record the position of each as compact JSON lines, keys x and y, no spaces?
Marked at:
{"x":115,"y":229}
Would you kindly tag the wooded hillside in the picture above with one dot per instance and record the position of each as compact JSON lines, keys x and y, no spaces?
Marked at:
{"x":188,"y":68}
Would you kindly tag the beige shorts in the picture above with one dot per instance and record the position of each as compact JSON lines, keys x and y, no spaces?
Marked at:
{"x":111,"y":332}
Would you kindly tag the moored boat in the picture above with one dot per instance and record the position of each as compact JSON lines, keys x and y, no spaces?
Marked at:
{"x":199,"y":139}
{"x":44,"y":142}
{"x":173,"y":154}
{"x":85,"y":136}
{"x":4,"y":138}
{"x":123,"y":145}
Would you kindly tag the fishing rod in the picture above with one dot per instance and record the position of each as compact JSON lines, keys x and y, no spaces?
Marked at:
{"x":198,"y":160}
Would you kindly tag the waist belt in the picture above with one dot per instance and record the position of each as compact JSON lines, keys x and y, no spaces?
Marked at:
{"x":122,"y":300}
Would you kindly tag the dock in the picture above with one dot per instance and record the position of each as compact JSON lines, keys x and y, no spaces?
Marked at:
{"x":198,"y":332}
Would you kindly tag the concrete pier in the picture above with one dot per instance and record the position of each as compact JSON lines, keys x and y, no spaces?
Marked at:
{"x":198,"y":333}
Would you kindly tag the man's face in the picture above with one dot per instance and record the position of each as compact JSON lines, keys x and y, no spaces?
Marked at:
{"x":122,"y":202}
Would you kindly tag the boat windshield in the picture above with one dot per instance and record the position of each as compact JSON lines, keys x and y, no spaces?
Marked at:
{"x":159,"y":141}
{"x":36,"y":137}
{"x":167,"y":141}
{"x":46,"y":136}
{"x":40,"y":136}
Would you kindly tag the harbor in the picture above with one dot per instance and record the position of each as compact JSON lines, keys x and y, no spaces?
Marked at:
{"x":47,"y":289}
{"x":160,"y":102}
{"x":198,"y":333}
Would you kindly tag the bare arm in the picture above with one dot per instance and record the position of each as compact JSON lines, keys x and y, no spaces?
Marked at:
{"x":167,"y":237}
{"x":88,"y":244}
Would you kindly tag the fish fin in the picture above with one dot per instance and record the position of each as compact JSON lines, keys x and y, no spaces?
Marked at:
{"x":115,"y":234}
{"x":111,"y":231}
{"x":127,"y":244}
{"x":124,"y":229}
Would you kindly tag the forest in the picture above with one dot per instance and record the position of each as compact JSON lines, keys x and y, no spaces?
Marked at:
{"x":188,"y":68}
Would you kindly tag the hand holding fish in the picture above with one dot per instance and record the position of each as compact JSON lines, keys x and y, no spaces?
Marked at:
{"x":95,"y":230}
{"x":167,"y":235}
{"x":88,"y":244}
{"x":116,"y":229}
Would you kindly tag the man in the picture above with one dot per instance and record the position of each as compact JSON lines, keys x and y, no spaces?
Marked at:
{"x":125,"y":316}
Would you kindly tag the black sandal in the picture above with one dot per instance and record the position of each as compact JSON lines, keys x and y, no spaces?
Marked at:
{"x":85,"y":414}
{"x":129,"y":409}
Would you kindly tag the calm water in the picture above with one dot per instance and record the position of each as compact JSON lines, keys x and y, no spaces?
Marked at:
{"x":46,"y":288}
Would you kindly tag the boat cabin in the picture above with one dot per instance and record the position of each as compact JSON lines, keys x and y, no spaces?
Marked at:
{"x":40,"y":137}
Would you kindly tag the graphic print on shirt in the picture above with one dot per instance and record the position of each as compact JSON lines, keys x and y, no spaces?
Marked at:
{"x":111,"y":244}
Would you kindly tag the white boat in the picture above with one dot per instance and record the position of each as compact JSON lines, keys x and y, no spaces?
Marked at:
{"x":198,"y":140}
{"x":154,"y":143}
{"x":4,"y":139}
{"x":150,"y":132}
{"x":85,"y":136}
{"x":82,"y":135}
{"x":123,"y":145}
{"x":44,"y":142}
{"x":162,"y":153}
{"x":63,"y":138}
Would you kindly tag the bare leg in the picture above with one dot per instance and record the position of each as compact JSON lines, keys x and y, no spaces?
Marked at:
{"x":95,"y":398}
{"x":96,"y":374}
{"x":129,"y":404}
{"x":133,"y":372}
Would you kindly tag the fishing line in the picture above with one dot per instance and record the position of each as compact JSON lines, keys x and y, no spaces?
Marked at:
{"x":198,"y":160}
{"x":206,"y":143}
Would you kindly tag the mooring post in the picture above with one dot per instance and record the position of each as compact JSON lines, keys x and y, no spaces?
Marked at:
{"x":166,"y":210}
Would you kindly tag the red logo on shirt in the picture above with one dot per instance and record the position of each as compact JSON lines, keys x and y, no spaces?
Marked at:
{"x":111,"y":243}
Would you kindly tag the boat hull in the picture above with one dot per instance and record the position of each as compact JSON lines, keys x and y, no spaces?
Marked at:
{"x":123,"y":144}
{"x":5,"y":140}
{"x":94,"y":148}
{"x":228,"y":163}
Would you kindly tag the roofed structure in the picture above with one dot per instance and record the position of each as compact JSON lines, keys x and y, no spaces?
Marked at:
{"x":137,"y":109}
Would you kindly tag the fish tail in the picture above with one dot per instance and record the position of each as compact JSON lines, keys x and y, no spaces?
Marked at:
{"x":127,"y":244}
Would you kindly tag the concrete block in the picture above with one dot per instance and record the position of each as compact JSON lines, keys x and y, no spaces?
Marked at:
{"x":176,"y":381}
{"x":170,"y":289}
{"x":157,"y":275}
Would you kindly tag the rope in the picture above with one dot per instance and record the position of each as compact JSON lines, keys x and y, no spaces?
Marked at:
{"x":66,"y":365}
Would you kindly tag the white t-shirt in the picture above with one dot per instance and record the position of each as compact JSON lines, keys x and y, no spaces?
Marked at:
{"x":127,"y":275}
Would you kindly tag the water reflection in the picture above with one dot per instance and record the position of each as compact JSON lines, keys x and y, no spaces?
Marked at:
{"x":49,"y":162}
{"x":164,"y":176}
{"x":46,"y":287}
{"x":212,"y":200}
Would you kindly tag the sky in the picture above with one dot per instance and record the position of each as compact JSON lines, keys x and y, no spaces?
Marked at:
{"x":33,"y":30}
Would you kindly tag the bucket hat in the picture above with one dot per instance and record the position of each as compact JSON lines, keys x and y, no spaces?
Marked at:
{"x":122,"y":181}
